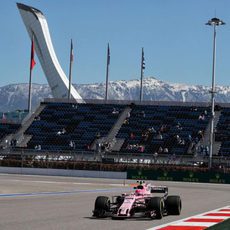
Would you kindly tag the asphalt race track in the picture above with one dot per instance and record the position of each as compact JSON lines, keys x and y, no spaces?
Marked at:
{"x":59,"y":203}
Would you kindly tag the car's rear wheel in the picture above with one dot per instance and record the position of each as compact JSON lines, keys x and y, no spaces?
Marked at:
{"x":156,"y":206}
{"x":102,"y":205}
{"x":173,"y":205}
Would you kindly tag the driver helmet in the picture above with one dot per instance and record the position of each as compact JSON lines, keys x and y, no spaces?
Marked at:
{"x":138,"y":191}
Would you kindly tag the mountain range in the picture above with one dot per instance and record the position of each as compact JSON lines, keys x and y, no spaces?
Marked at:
{"x":15,"y":96}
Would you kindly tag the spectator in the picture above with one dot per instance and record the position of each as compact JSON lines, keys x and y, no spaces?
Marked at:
{"x":178,"y":139}
{"x":200,"y":134}
{"x":160,"y":150}
{"x":178,"y":126}
{"x":132,"y":135}
{"x":181,"y":142}
{"x":206,"y":150}
{"x":201,"y":117}
{"x":163,"y":128}
{"x":61,"y":132}
{"x":201,"y":149}
{"x":126,"y":121}
{"x":155,"y":155}
{"x":141,"y":148}
{"x":37,"y":118}
{"x":88,"y":147}
{"x":7,"y":143}
{"x":115,"y":111}
{"x":145,"y":135}
{"x":166,"y":150}
{"x":13,"y":142}
{"x":190,"y":138}
{"x":38,"y":147}
{"x":159,"y":136}
{"x":72,"y":144}
{"x":98,"y":147}
{"x":152,"y":130}
{"x":74,"y":106}
{"x":98,"y":135}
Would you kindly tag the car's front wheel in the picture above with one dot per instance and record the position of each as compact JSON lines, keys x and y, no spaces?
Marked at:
{"x":102,"y":205}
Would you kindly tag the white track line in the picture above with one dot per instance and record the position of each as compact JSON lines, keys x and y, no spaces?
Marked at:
{"x":62,"y":182}
{"x":202,"y":215}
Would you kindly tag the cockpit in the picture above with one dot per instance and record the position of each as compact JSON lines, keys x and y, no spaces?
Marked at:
{"x":140,"y":187}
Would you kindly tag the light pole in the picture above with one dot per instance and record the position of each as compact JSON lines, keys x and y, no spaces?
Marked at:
{"x":213,"y":22}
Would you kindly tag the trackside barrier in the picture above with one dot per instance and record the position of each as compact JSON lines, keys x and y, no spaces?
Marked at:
{"x":64,"y":172}
{"x":186,"y":176}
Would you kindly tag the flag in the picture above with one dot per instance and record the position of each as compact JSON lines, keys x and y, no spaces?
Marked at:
{"x":71,"y":51}
{"x":108,"y":55}
{"x":32,"y":61}
{"x":4,"y":119}
{"x":143,"y":60}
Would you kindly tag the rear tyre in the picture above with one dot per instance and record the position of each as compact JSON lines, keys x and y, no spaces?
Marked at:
{"x":156,"y":205}
{"x":102,"y":205}
{"x":173,"y":205}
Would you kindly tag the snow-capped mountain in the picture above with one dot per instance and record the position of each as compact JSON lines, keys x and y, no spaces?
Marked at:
{"x":14,"y":96}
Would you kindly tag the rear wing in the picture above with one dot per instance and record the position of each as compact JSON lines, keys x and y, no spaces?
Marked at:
{"x":159,"y":189}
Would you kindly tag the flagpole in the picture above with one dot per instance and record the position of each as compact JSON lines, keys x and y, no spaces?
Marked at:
{"x":142,"y":73}
{"x":32,"y":63}
{"x":70,"y":70}
{"x":30,"y":89}
{"x":107,"y":73}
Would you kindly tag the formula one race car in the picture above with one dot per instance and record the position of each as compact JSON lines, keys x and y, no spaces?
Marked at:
{"x":142,"y":201}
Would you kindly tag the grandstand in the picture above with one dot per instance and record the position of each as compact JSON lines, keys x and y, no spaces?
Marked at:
{"x":124,"y":130}
{"x":149,"y":126}
{"x":222,"y":134}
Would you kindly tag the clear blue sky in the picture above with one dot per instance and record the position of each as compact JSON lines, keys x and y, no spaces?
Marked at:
{"x":177,"y":43}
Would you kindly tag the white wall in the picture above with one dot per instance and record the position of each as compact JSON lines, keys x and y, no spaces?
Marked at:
{"x":64,"y":172}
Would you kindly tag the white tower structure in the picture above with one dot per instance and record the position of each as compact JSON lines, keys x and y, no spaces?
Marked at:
{"x":37,"y":26}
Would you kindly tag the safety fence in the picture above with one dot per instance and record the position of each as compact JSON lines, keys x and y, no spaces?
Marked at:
{"x":184,"y":176}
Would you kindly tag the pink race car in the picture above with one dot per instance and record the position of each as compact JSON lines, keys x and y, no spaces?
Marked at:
{"x":141,"y":202}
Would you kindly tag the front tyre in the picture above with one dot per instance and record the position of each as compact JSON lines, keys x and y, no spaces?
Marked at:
{"x":173,"y":205}
{"x":102,"y":205}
